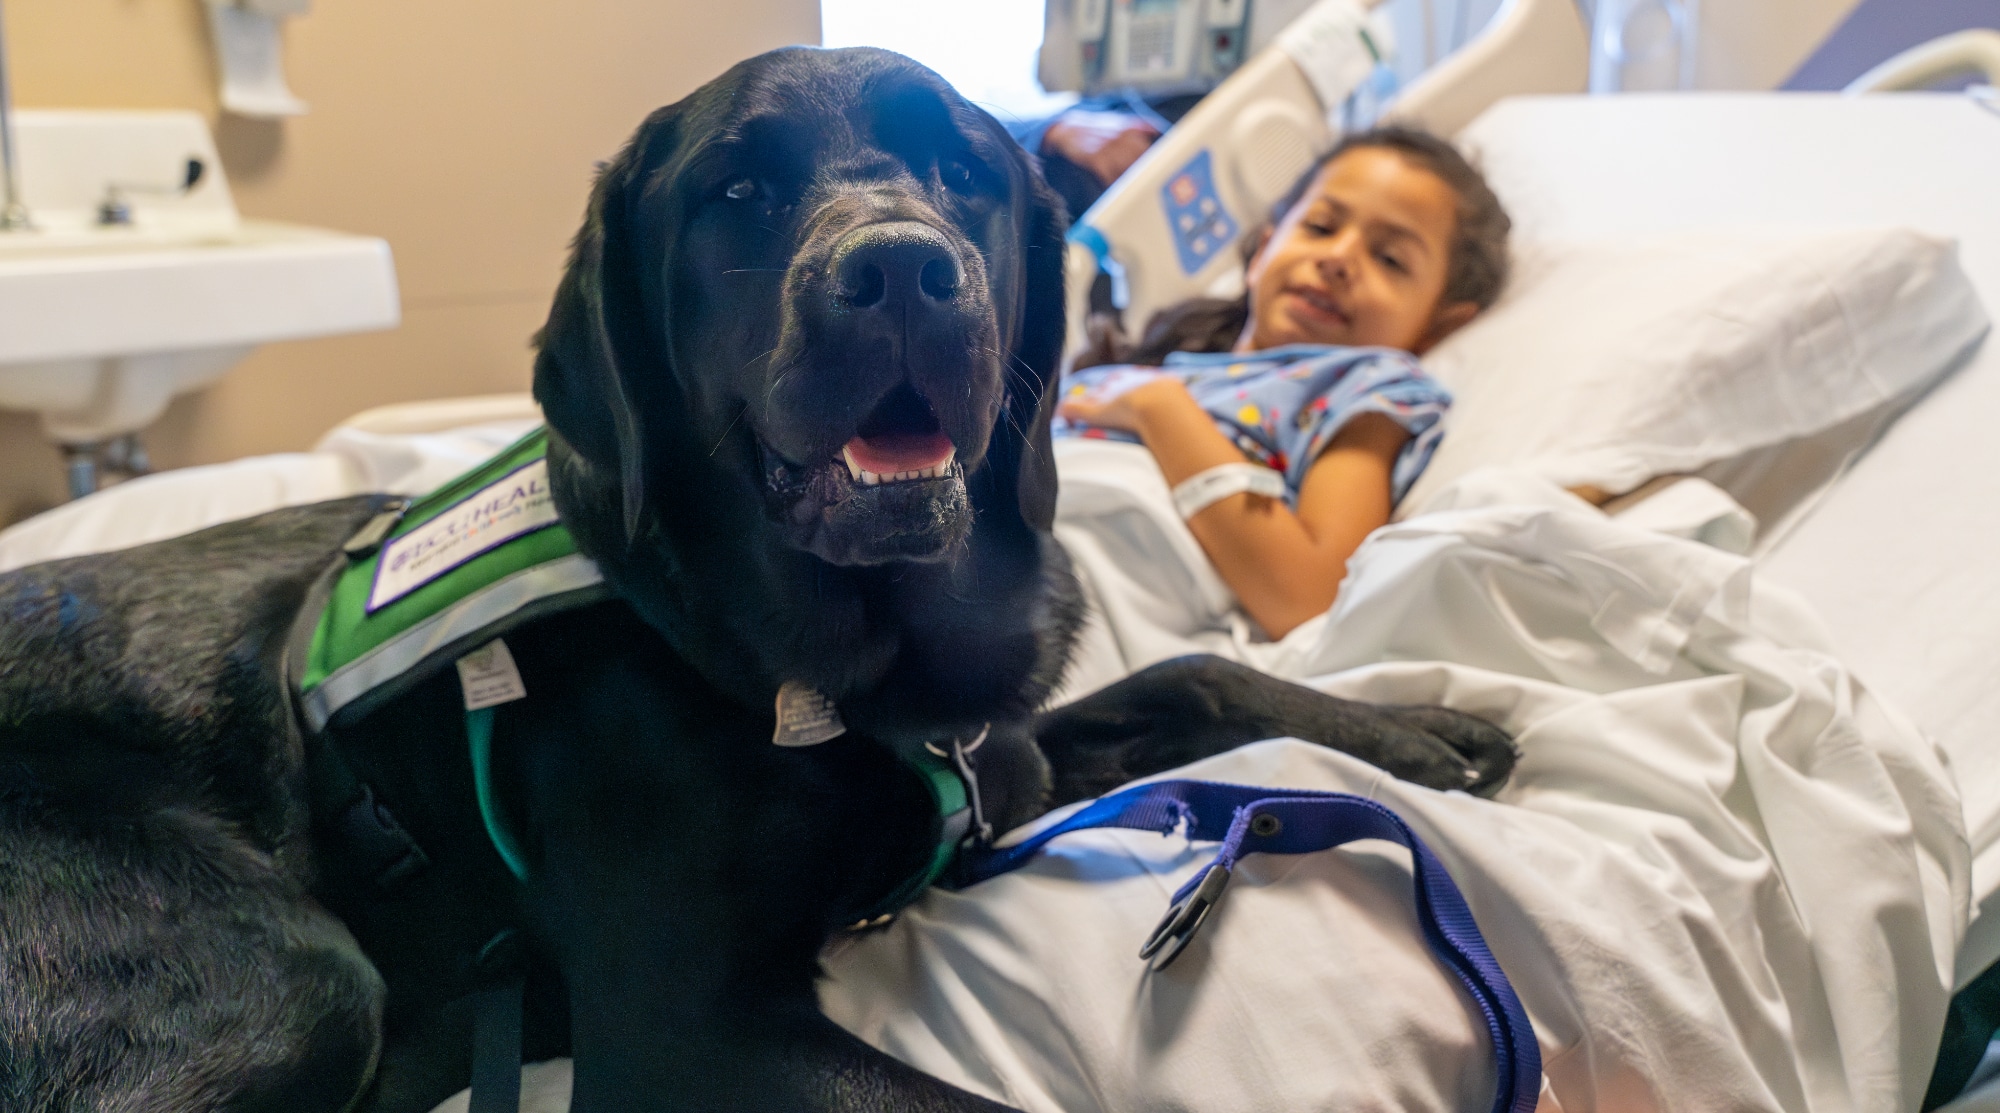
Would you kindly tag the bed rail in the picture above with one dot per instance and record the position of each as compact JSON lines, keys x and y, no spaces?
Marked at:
{"x":1530,"y":46}
{"x":1976,"y":51}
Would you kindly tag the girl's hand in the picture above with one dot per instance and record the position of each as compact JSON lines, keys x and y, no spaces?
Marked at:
{"x":1121,"y":401}
{"x":1104,"y":143}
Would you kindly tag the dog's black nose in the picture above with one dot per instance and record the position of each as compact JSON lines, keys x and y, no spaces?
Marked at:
{"x":886,"y":264}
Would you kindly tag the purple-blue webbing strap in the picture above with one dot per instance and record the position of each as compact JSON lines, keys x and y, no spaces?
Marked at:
{"x":1253,"y":820}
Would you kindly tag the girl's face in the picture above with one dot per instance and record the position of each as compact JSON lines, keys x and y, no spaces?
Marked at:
{"x":1360,"y":260}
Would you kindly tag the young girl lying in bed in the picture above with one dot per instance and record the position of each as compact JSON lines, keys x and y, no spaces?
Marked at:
{"x":1289,"y":422}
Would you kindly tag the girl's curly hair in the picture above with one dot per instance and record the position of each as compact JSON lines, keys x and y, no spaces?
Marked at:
{"x":1476,"y":271}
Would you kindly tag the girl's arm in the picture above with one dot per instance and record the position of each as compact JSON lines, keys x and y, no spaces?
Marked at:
{"x":1283,"y":567}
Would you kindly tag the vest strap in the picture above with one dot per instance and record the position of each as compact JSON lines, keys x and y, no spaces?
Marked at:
{"x":497,"y":1023}
{"x":952,"y":793}
{"x":479,"y":736}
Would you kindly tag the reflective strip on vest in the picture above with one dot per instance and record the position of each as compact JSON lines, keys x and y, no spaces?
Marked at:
{"x":383,"y":630}
{"x":471,"y":622}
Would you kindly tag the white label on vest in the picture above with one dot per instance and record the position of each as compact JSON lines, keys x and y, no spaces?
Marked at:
{"x":489,"y":678}
{"x":518,"y":503}
{"x":805,"y":717}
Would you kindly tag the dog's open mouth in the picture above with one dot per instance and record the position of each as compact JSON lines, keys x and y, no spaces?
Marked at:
{"x":897,"y":457}
{"x":894,"y":491}
{"x":898,"y":442}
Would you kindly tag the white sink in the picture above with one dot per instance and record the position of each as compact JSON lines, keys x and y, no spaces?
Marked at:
{"x":101,"y":326}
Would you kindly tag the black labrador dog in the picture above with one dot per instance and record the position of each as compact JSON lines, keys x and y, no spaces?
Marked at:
{"x":798,"y":383}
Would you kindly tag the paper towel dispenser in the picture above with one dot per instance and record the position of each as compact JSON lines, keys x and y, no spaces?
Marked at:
{"x":249,"y":54}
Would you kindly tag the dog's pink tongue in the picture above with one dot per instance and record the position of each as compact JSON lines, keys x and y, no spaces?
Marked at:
{"x":891,"y":453}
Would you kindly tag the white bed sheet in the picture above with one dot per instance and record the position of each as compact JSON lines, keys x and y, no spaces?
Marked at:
{"x":1710,"y":828}
{"x":1896,"y":557}
{"x":347,"y":461}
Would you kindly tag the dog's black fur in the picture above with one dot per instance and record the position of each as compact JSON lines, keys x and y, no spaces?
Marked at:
{"x":813,"y":244}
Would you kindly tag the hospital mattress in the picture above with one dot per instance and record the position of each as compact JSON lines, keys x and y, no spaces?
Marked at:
{"x":1897,"y":555}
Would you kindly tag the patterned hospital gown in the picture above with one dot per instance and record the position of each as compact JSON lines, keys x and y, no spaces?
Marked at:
{"x":1283,"y":406}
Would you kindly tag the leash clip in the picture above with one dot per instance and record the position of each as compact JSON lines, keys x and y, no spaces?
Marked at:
{"x":980,"y":832}
{"x":1177,"y":927}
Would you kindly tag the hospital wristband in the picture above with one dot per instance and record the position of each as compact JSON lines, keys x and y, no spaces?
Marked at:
{"x":1204,"y":489}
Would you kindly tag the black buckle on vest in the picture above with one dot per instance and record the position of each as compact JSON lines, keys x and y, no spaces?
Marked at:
{"x":374,"y":531}
{"x":386,"y":853}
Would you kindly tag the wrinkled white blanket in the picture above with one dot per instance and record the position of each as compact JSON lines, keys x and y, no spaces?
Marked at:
{"x":1724,"y":875}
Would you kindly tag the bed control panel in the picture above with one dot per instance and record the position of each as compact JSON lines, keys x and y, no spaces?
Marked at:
{"x":1202,"y":226}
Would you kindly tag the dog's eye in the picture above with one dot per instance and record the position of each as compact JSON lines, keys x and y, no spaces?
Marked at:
{"x":740,"y":189}
{"x":955,"y":175}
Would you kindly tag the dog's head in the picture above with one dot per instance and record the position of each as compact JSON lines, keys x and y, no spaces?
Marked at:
{"x":829,"y":279}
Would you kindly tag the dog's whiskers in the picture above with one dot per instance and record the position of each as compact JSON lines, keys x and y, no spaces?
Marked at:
{"x":777,"y":381}
{"x":1030,"y":379}
{"x":1027,"y":384}
{"x":1008,"y":362}
{"x":1021,"y":380}
{"x":732,"y":425}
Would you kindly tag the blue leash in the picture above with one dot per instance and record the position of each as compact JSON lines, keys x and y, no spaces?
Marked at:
{"x":1252,"y":820}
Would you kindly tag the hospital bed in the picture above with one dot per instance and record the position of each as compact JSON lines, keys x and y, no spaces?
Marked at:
{"x":1871,"y":555}
{"x":1889,"y":544}
{"x":1889,"y":552}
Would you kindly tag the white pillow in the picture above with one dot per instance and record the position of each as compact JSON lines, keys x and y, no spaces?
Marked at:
{"x":1607,"y":363}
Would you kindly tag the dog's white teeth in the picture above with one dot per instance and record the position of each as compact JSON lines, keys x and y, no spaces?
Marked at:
{"x":868,"y":478}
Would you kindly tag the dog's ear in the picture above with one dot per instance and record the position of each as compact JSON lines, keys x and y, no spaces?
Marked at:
{"x":597,"y":342}
{"x":1035,"y":343}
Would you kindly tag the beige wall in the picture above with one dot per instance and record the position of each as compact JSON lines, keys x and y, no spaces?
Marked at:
{"x":462,"y":131}
{"x":1757,"y":44}
{"x":1745,"y":44}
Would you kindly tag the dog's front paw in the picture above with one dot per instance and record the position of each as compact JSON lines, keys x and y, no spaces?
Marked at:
{"x":1444,"y":749}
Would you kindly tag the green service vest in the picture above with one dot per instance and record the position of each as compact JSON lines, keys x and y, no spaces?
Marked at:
{"x":427,"y":584}
{"x":449,"y":573}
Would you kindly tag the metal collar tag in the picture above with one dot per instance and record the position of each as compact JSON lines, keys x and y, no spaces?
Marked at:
{"x":805,"y":716}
